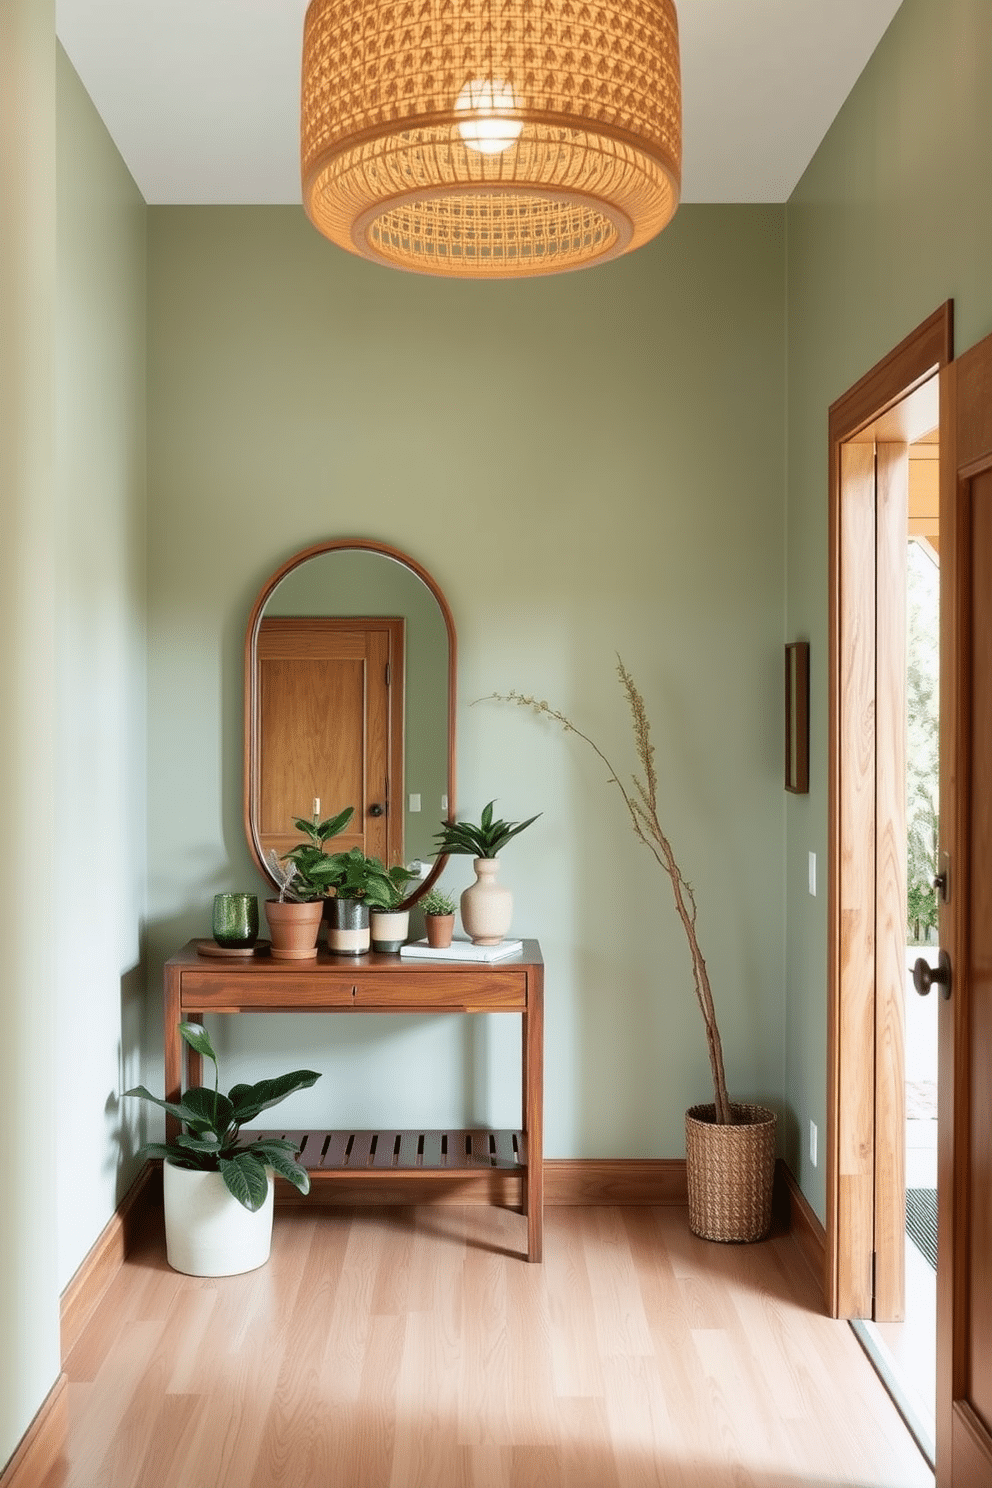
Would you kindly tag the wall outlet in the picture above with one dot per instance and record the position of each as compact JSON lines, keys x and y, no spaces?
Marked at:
{"x":415,"y":801}
{"x":812,"y":874}
{"x":812,"y":1143}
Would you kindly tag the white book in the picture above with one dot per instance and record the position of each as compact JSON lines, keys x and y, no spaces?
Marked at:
{"x":461,"y":950}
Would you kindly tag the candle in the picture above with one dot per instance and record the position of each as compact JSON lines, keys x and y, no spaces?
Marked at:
{"x":316,"y":809}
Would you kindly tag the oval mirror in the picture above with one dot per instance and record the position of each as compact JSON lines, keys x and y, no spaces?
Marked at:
{"x":350,"y":701}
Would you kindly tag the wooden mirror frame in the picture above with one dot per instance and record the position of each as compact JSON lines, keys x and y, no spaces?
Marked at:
{"x":252,"y":773}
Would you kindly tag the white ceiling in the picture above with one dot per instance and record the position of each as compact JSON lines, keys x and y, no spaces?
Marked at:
{"x":202,"y":96}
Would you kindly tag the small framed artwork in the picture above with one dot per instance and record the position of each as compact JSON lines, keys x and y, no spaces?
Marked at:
{"x":797,"y":717}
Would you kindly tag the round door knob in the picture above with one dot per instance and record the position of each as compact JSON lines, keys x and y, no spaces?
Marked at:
{"x":375,"y":810}
{"x":925,"y":975}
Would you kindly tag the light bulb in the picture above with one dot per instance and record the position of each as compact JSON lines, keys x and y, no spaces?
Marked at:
{"x":485,"y":131}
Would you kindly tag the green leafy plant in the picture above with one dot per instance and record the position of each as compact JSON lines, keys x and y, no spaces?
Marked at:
{"x":438,"y":902}
{"x":378,"y":896}
{"x":353,"y":875}
{"x":482,"y":841}
{"x":211,"y":1139}
{"x":641,"y":801}
{"x":303,"y":874}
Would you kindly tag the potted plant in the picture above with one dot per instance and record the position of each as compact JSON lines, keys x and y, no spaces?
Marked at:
{"x":439,"y":917}
{"x":730,"y":1146}
{"x":486,"y":906}
{"x":217,"y":1182}
{"x":303,"y":876}
{"x":389,"y":922}
{"x":359,"y":883}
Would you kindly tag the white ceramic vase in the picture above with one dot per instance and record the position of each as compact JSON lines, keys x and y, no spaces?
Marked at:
{"x":207,"y":1232}
{"x":486,"y":906}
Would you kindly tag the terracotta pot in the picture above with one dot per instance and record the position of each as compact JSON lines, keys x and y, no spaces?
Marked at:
{"x":348,"y":932}
{"x":293,"y":928}
{"x":440,"y":929}
{"x":486,"y":906}
{"x":207,"y":1232}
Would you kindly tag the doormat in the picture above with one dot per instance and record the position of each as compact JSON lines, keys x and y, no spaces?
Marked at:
{"x":921,"y":1221}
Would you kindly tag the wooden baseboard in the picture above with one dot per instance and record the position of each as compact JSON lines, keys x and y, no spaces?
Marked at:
{"x":41,"y":1445}
{"x":107,"y":1255}
{"x":802,"y":1223}
{"x":573,"y":1181}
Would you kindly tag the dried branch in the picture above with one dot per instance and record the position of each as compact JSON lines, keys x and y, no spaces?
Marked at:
{"x":641,"y":801}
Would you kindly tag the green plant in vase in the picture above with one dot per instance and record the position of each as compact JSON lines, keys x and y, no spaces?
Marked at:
{"x":487,"y":906}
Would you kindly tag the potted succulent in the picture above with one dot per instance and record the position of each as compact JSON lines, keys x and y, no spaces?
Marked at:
{"x":359,"y":883}
{"x":486,"y":906}
{"x":389,"y":922}
{"x":217,"y":1182}
{"x":303,"y":876}
{"x":439,"y":917}
{"x":730,"y":1146}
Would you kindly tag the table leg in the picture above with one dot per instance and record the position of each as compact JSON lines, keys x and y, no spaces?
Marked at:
{"x":173,"y":1046}
{"x":533,"y":1068}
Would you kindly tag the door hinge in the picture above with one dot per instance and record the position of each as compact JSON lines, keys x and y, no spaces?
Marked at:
{"x":387,"y":674}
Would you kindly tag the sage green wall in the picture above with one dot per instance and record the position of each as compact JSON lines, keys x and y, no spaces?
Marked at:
{"x":29,"y":1316}
{"x":100,"y":665}
{"x":586,"y":464}
{"x":892,"y":217}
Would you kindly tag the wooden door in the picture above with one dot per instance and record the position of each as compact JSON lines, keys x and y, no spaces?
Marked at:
{"x":330,"y":698}
{"x":964,"y":1275}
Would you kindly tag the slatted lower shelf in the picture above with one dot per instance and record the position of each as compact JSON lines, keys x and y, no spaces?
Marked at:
{"x":370,"y":1152}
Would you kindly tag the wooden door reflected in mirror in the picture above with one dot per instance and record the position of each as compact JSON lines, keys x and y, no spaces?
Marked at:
{"x":349,"y":700}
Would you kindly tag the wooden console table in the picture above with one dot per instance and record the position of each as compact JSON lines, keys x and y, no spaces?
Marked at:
{"x":196,"y":984}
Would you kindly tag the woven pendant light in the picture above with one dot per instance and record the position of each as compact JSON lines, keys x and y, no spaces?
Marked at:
{"x":491,"y":138}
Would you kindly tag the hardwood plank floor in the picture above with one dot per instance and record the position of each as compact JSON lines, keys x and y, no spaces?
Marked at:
{"x":412,"y":1348}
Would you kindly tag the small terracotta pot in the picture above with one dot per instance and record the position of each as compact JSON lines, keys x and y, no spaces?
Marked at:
{"x":294,"y":928}
{"x":440,"y":929}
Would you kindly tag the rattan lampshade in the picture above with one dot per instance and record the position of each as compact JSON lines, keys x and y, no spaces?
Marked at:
{"x":491,"y":138}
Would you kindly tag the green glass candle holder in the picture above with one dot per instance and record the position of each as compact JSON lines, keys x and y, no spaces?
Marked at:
{"x":235,"y":920}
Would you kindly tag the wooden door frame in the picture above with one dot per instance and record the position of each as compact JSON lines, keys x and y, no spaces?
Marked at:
{"x":865,"y":1096}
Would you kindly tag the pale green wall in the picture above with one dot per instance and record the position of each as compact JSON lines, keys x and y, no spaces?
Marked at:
{"x":892,"y":217}
{"x":100,"y":663}
{"x":586,"y":464}
{"x":29,"y":1334}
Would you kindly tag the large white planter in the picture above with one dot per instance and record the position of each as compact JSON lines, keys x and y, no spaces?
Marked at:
{"x":207,"y":1232}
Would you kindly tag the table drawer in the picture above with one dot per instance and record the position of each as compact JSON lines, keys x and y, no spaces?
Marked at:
{"x":270,"y":991}
{"x":460,"y":991}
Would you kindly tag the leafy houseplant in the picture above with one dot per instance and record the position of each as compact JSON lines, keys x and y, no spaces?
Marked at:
{"x":487,"y":907}
{"x":389,"y":918}
{"x":361,"y":884}
{"x":706,"y":1196}
{"x":211,"y":1141}
{"x":482,"y":841}
{"x":308,"y":873}
{"x":303,"y":875}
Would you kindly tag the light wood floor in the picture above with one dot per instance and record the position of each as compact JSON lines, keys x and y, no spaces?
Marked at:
{"x":411,"y":1348}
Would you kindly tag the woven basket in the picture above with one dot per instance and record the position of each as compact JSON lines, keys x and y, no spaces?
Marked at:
{"x":731,"y":1171}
